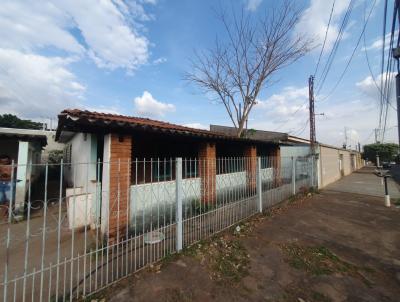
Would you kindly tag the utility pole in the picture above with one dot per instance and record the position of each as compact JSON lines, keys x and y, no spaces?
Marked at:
{"x":376,"y":130}
{"x":396,"y":56}
{"x":312,"y":113}
{"x":345,"y":138}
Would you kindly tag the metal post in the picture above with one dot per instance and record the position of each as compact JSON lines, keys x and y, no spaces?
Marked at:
{"x":378,"y":164}
{"x":312,"y":170}
{"x":387,"y":196}
{"x":398,"y":101}
{"x":259,"y":185}
{"x":178,"y":196}
{"x":294,"y":175}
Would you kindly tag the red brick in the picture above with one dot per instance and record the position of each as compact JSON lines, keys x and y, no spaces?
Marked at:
{"x":250,"y":157}
{"x":120,"y":179}
{"x":207,"y":172}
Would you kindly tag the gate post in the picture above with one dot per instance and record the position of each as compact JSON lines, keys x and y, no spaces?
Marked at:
{"x":294,"y":175}
{"x":178,"y":198}
{"x":259,"y":185}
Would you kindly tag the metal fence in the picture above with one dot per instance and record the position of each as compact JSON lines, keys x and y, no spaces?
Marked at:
{"x":79,"y":227}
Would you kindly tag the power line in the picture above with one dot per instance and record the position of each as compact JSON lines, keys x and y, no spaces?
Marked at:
{"x":293,"y":114}
{"x":335,"y":47}
{"x":300,"y":130}
{"x":389,"y":69}
{"x":352,"y":54}
{"x":383,"y":61}
{"x":370,"y":68}
{"x":326,"y":35}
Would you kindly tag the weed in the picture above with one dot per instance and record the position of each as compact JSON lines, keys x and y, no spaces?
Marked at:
{"x":318,"y":261}
{"x":227,"y":259}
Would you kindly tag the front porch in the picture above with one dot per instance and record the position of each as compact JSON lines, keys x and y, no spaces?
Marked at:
{"x":139,"y":176}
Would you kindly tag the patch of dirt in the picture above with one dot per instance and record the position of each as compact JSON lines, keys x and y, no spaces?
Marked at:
{"x":319,"y":260}
{"x":225,"y":257}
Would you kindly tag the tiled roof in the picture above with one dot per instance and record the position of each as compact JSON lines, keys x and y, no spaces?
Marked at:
{"x":75,"y":120}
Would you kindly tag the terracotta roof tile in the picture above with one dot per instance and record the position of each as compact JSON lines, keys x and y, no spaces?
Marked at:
{"x":81,"y":117}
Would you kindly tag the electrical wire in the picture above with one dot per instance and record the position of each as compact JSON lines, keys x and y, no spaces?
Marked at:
{"x":335,"y":47}
{"x":352,"y":55}
{"x":389,"y":72}
{"x":326,"y":35}
{"x":301,"y":130}
{"x":370,"y":68}
{"x":383,"y":61}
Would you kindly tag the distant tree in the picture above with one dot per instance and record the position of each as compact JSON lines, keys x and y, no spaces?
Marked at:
{"x":55,"y":156}
{"x":13,"y":121}
{"x":386,"y":152}
{"x":237,"y":68}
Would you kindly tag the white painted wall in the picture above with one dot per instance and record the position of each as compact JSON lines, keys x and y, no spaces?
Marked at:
{"x":81,"y":175}
{"x":330,"y":166}
{"x":145,"y":197}
{"x":82,"y":171}
{"x":105,"y":188}
{"x":23,"y":160}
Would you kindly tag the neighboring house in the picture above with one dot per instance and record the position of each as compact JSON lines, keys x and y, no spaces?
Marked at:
{"x":24,"y":147}
{"x":332,"y":162}
{"x":119,"y":156}
{"x":52,"y":145}
{"x":289,"y":145}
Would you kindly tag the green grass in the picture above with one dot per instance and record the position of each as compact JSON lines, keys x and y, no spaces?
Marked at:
{"x":319,"y":260}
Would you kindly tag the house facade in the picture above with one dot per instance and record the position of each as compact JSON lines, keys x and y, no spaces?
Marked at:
{"x":23,"y":147}
{"x":125,"y":159}
{"x":331,"y":163}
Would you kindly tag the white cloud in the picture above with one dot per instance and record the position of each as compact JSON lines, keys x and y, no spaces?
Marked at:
{"x":34,"y":83}
{"x":107,"y":29}
{"x":252,"y":5}
{"x":104,"y":109}
{"x":197,"y":126}
{"x":27,"y":27}
{"x":287,"y":111}
{"x":159,"y":61}
{"x":37,"y":86}
{"x":112,"y":43}
{"x":147,"y":105}
{"x":369,"y":87}
{"x":377,"y":43}
{"x":314,"y":21}
{"x":282,"y":106}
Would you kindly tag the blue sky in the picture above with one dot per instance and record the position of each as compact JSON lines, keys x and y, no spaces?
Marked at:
{"x":129,"y":57}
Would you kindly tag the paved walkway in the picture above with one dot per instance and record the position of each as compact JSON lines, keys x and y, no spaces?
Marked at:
{"x":358,"y":229}
{"x":366,"y":183}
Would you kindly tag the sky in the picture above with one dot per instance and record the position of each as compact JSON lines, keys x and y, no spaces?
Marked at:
{"x":130,"y":58}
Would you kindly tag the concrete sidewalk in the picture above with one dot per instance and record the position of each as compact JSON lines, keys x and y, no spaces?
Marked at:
{"x":366,"y":183}
{"x":362,"y":234}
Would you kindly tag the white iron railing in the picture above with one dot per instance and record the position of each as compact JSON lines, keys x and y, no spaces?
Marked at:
{"x":71,"y":238}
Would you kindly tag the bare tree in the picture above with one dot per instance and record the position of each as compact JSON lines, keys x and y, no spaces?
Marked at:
{"x":236,"y":70}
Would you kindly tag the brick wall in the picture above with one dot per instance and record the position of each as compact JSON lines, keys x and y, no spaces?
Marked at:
{"x":250,"y":157}
{"x":207,"y":171}
{"x":120,"y":180}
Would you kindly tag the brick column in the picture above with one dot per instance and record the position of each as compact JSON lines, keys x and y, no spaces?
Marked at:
{"x":250,"y":158}
{"x":277,"y":166}
{"x":207,"y":172}
{"x":119,"y":185}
